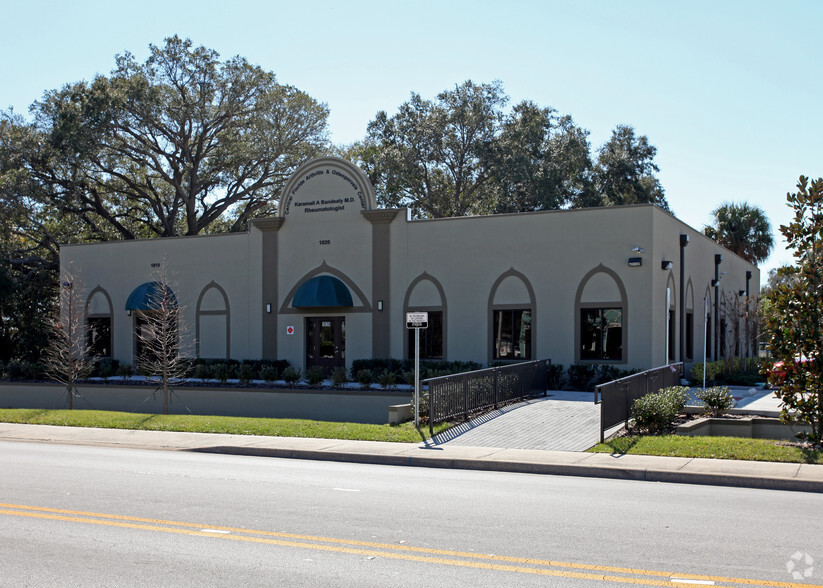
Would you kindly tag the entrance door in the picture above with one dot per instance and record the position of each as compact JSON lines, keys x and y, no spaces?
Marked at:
{"x":325,"y":342}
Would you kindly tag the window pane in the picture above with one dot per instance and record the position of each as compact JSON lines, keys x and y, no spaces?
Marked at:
{"x":689,"y":335}
{"x":672,"y":338}
{"x":512,"y":334}
{"x":98,"y":333}
{"x":590,"y":333}
{"x":601,"y":333}
{"x":613,"y":333}
{"x":503,"y":334}
{"x":522,"y":320}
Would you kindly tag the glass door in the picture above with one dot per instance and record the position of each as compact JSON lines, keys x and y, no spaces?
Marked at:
{"x":325,"y":342}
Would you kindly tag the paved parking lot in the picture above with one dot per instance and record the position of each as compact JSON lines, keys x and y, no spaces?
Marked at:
{"x":562,"y":421}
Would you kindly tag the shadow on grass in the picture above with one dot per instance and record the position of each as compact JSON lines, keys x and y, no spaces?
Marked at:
{"x":812,"y":455}
{"x":621,"y":445}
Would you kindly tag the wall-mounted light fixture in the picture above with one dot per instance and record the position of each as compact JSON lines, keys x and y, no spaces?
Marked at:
{"x":635,"y":261}
{"x":268,"y":307}
{"x":741,"y":292}
{"x":666,"y":264}
{"x":715,"y":283}
{"x":128,"y":313}
{"x":380,"y":305}
{"x":638,"y":249}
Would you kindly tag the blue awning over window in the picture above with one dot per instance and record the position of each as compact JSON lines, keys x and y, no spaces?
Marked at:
{"x":148,"y":297}
{"x":325,"y":291}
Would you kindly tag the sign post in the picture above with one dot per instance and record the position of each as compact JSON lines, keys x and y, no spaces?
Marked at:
{"x":417,"y":321}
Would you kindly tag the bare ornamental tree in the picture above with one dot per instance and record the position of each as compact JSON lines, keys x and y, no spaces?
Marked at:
{"x":161,"y":337}
{"x":68,"y":356}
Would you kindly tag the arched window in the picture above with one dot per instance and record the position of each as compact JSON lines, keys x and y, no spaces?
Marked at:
{"x":671,"y":319}
{"x":600,"y":306}
{"x":689,"y":351}
{"x":213,"y":330}
{"x":99,"y":323}
{"x":512,"y":317}
{"x":425,"y":294}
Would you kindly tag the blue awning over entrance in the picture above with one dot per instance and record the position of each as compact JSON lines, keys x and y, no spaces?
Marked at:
{"x":148,"y":297}
{"x":325,"y":291}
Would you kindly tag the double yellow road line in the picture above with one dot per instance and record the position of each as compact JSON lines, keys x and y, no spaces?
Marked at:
{"x":399,"y":551}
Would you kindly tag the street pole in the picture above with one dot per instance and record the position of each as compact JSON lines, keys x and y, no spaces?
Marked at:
{"x":705,"y":334}
{"x":417,"y":377}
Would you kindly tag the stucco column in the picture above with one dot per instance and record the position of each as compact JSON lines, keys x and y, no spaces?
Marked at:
{"x":381,"y":220}
{"x":269,"y":227}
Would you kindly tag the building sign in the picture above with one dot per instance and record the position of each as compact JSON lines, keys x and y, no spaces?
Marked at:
{"x":325,"y":190}
{"x":417,"y":320}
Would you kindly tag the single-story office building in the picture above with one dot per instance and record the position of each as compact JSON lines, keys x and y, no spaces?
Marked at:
{"x":330,"y":278}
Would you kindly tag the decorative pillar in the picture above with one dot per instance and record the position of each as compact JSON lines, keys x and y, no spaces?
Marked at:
{"x":381,"y":220}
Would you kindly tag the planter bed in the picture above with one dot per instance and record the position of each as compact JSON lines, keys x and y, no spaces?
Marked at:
{"x":753,"y":427}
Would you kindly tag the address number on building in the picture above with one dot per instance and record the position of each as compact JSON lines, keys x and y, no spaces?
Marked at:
{"x":417,"y":320}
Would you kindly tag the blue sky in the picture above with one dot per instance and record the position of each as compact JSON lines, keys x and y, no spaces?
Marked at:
{"x":729,"y":92}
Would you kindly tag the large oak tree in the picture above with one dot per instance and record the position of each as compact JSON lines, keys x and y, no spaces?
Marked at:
{"x":180,"y":144}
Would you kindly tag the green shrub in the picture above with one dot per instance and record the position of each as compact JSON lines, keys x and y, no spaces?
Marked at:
{"x":246,"y":373}
{"x":656,"y":412}
{"x":408,"y":377}
{"x":554,"y":376}
{"x":223,"y":372}
{"x":339,"y":376}
{"x":203,"y":372}
{"x":22,"y":370}
{"x":125,"y":371}
{"x":713,"y":370}
{"x":105,"y":368}
{"x":388,"y":379}
{"x":717,"y":399}
{"x":291,"y":375}
{"x":429,"y":368}
{"x":366,"y":378}
{"x":315,"y":375}
{"x":269,"y":373}
{"x":581,"y":376}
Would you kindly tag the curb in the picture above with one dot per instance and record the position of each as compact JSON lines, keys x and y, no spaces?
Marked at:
{"x":742,"y":474}
{"x":525,"y":467}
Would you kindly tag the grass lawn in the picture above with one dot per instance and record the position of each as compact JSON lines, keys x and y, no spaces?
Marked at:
{"x":711,"y":447}
{"x":403,"y":433}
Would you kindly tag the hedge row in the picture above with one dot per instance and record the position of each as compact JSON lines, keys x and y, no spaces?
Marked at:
{"x":738,"y":371}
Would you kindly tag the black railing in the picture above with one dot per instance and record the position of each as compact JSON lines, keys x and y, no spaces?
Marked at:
{"x":459,"y":395}
{"x":617,"y":396}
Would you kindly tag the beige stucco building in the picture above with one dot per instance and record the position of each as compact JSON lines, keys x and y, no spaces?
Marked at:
{"x":329,"y":280}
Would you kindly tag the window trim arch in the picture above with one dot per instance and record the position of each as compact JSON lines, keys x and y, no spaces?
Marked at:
{"x":443,"y":307}
{"x":622,"y":304}
{"x":109,"y":315}
{"x":226,"y":312}
{"x":530,"y":306}
{"x":671,"y":318}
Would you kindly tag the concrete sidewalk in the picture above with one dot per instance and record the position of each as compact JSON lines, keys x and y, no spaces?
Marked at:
{"x":776,"y":476}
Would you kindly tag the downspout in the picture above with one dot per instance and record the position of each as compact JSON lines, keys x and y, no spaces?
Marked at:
{"x":718,"y":259}
{"x":684,"y":240}
{"x":748,"y":277}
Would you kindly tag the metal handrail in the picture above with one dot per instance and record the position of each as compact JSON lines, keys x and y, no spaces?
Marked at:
{"x":459,"y":395}
{"x":618,"y":396}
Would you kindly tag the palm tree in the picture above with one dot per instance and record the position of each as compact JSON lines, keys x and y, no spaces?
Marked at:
{"x":743,"y":229}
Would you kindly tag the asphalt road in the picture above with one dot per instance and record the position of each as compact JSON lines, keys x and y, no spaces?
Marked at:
{"x":94,"y":516}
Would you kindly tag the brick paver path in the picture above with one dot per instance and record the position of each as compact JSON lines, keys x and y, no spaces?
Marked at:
{"x":563,"y":421}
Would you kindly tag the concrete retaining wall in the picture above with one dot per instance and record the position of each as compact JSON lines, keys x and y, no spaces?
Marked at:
{"x":755,"y":428}
{"x":356,"y":406}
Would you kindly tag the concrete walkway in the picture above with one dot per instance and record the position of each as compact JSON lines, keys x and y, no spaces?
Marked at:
{"x":561,"y":421}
